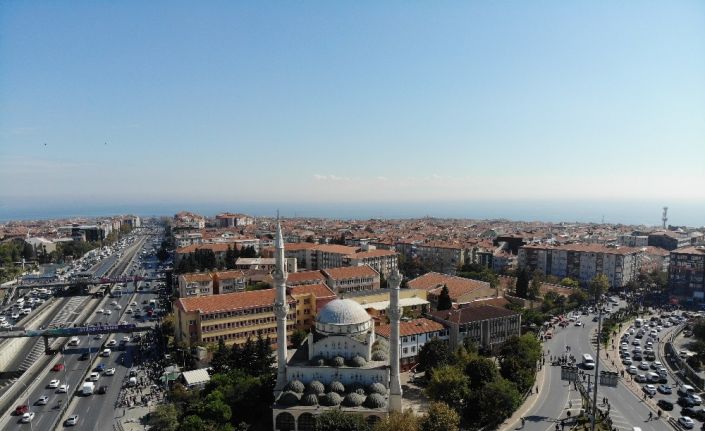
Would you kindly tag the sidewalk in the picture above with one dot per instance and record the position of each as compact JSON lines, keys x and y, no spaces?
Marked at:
{"x":514,"y":422}
{"x":130,"y":419}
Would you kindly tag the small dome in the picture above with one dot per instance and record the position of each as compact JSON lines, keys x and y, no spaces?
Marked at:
{"x":338,"y":361}
{"x":331,"y":399}
{"x":375,"y":401}
{"x":289,"y":398}
{"x":316,"y":387}
{"x":309,"y":400}
{"x":377,"y":388}
{"x":295,"y":386}
{"x":342,"y":312}
{"x":358,"y":361}
{"x":379,"y":355}
{"x":353,"y":400}
{"x":336,"y":386}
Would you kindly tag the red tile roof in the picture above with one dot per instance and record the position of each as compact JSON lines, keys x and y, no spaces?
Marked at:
{"x":302,"y":277}
{"x":349,"y":272}
{"x":586,"y":248}
{"x":335,"y":248}
{"x":296,"y":246}
{"x":196,"y":276}
{"x":216,"y":247}
{"x":411,"y":327}
{"x":472,"y":313}
{"x":433,"y":280}
{"x":689,"y":250}
{"x":229,"y":275}
{"x":228,"y":301}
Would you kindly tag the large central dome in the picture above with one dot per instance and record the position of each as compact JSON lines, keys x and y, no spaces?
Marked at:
{"x":342,"y":316}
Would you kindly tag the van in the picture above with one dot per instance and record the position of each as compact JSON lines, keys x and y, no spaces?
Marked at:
{"x":106,"y":353}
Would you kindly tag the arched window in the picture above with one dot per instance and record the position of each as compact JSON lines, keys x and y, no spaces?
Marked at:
{"x":306,"y":422}
{"x":285,"y":422}
{"x":372,"y":420}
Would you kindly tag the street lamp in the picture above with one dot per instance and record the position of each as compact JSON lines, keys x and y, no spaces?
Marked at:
{"x":597,"y":364}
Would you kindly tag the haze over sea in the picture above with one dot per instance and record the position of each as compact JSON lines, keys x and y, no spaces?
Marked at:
{"x":636,"y":213}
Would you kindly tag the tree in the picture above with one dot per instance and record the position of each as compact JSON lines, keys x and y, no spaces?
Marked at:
{"x":578,"y":297}
{"x":598,"y":286}
{"x":481,"y":371}
{"x":699,"y":329}
{"x":298,"y":337}
{"x":518,"y":357}
{"x":491,"y":405}
{"x":215,"y":408}
{"x":230,"y":257}
{"x":337,"y":420}
{"x":164,"y":417}
{"x":444,"y":301}
{"x":221,"y":358}
{"x":522,"y":284}
{"x":192,"y":423}
{"x":440,"y":417}
{"x":406,"y":421}
{"x":433,"y":354}
{"x":535,"y":287}
{"x":569,"y":282}
{"x":449,"y":385}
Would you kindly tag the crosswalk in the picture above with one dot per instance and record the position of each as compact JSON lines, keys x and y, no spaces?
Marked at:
{"x":574,"y":405}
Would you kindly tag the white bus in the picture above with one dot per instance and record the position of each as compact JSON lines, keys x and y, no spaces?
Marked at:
{"x":588,"y":362}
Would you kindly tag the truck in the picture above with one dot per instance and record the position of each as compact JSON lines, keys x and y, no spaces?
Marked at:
{"x":88,"y":388}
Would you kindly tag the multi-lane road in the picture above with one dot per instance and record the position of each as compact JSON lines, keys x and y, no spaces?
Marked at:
{"x":557,"y":397}
{"x":47,"y":415}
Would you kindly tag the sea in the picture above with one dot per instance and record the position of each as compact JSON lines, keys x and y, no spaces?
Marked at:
{"x":612,"y":212}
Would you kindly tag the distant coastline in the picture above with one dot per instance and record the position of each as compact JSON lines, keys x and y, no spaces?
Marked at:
{"x":629,"y":213}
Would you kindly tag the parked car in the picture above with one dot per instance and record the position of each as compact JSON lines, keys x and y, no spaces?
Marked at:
{"x":686,"y":422}
{"x":665,"y":389}
{"x":649,"y":389}
{"x":665,"y":405}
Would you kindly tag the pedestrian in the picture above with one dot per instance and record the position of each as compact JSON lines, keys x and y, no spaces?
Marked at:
{"x":537,"y":389}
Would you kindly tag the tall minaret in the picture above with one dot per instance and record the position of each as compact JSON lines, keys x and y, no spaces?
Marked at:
{"x":281,"y":309}
{"x":394,"y":346}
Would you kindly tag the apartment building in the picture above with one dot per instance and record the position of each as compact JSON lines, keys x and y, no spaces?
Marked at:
{"x":413,"y":334}
{"x":583,"y":261}
{"x":669,"y":240}
{"x":485,"y":325}
{"x":437,"y":256}
{"x":309,"y":299}
{"x":229,"y":282}
{"x":231,"y":317}
{"x":233,"y":220}
{"x":461,"y":290}
{"x":351,"y":278}
{"x":211,"y":283}
{"x":413,"y":302}
{"x":187,"y":238}
{"x":219,"y":250}
{"x":383,"y":261}
{"x":686,"y":273}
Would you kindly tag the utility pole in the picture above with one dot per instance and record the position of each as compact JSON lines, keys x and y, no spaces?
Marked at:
{"x":597,"y":364}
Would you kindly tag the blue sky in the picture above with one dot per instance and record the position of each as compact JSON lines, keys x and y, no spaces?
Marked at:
{"x":143,"y":102}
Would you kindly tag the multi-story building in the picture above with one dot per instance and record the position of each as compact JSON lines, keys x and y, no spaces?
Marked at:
{"x":631,"y":240}
{"x":583,"y":261}
{"x":309,"y":299}
{"x":301,"y":251}
{"x":485,"y":325}
{"x":669,"y":240}
{"x":231,"y":317}
{"x":229,"y":282}
{"x":219,"y":250}
{"x":376,"y":302}
{"x":383,"y":261}
{"x":195,"y":284}
{"x":440,"y":257}
{"x":351,"y":278}
{"x":233,"y":220}
{"x":686,"y":272}
{"x":461,"y":290}
{"x":413,"y":335}
{"x":328,"y":256}
{"x":187,"y":238}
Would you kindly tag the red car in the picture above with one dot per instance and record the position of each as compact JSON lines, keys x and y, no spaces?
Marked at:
{"x":20,"y":410}
{"x":58,"y":367}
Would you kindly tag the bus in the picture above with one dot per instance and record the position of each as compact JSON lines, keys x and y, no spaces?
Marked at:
{"x":588,"y":362}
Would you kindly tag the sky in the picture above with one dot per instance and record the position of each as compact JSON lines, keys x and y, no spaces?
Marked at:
{"x":381,"y":103}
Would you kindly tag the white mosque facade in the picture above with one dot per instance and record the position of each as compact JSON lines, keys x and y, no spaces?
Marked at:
{"x":340,"y":365}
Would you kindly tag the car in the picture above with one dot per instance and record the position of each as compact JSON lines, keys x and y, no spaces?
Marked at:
{"x":111,"y":343}
{"x":27,"y":417}
{"x":696,"y":398}
{"x":58,"y":367}
{"x":649,"y":389}
{"x":637,"y":349}
{"x":108,"y":312}
{"x":129,"y":311}
{"x":632,"y":370}
{"x":109,"y":372}
{"x":694,"y":412}
{"x":103,"y":389}
{"x":665,"y":405}
{"x":686,"y":422}
{"x":126,"y":339}
{"x":644,"y":366}
{"x":63,"y":389}
{"x":637,"y":357}
{"x":72,"y":420}
{"x":42,"y":400}
{"x":686,"y":401}
{"x":98,"y":337}
{"x":640,"y":378}
{"x":113,"y":303}
{"x":84,"y":356}
{"x":54,"y":384}
{"x":636,"y":343}
{"x":118,"y":307}
{"x":95,"y":376}
{"x":665,"y":389}
{"x":578,"y":323}
{"x":99,"y":311}
{"x":627,"y":361}
{"x":656,"y":365}
{"x":105,"y":353}
{"x":21,"y":409}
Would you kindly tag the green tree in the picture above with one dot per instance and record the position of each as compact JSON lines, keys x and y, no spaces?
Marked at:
{"x":535,"y":286}
{"x":569,"y":282}
{"x":215,"y":408}
{"x":221,"y":358}
{"x":518,"y":357}
{"x":440,"y":417}
{"x":337,"y":420}
{"x":578,"y":297}
{"x":192,"y":423}
{"x":699,"y":329}
{"x":406,"y":421}
{"x":444,"y":301}
{"x":164,"y":418}
{"x":522,"y":283}
{"x":598,"y":286}
{"x":491,"y":405}
{"x":481,"y":371}
{"x":433,"y":354}
{"x":298,"y":337}
{"x":450,"y":385}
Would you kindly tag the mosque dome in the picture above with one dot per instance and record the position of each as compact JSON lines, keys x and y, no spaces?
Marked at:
{"x":343,"y":316}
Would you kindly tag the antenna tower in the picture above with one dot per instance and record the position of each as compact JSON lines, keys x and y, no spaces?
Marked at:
{"x":664,"y":217}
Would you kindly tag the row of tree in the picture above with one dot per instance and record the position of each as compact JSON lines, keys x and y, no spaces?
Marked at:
{"x":206,"y":260}
{"x":482,"y":394}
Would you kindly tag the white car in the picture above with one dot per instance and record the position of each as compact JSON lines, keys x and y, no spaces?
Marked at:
{"x":644,"y":366}
{"x":43,"y":400}
{"x":684,"y":421}
{"x":27,"y":417}
{"x":118,"y":307}
{"x":72,"y":420}
{"x":94,"y":377}
{"x":63,"y":389}
{"x":106,"y":353}
{"x":99,"y":311}
{"x":649,"y":389}
{"x":98,"y":337}
{"x":632,"y":370}
{"x":54,"y":384}
{"x":108,"y":312}
{"x":111,"y":343}
{"x":110,"y":371}
{"x":114,"y":303}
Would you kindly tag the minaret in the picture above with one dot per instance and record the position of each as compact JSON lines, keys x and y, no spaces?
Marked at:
{"x":281,"y":309}
{"x":394,"y":346}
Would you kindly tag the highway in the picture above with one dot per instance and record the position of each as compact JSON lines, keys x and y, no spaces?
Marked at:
{"x":557,"y":396}
{"x":47,"y":415}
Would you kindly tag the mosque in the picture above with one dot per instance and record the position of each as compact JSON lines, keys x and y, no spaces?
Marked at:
{"x":340,"y":365}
